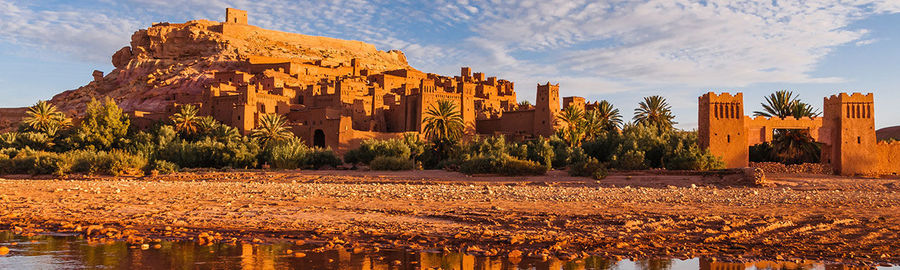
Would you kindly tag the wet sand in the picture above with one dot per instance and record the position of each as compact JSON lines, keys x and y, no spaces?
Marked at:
{"x":630,"y":215}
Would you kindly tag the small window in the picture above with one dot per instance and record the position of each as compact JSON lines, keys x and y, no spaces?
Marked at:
{"x":729,"y":138}
{"x":858,"y":140}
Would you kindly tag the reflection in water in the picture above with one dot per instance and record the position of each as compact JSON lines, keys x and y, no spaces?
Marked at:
{"x":42,"y":252}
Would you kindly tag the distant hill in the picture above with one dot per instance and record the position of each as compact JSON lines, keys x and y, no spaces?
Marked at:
{"x":888,"y":132}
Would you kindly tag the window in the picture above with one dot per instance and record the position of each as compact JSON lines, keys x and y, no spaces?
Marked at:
{"x":858,"y":140}
{"x":729,"y":138}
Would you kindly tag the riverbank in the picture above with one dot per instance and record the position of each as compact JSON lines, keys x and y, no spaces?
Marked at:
{"x":633,"y":215}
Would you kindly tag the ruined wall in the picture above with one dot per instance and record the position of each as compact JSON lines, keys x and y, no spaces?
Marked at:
{"x":722,"y":128}
{"x":235,"y":16}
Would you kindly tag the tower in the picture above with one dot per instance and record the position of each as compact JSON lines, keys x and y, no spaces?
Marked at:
{"x":721,"y":128}
{"x":849,"y":125}
{"x":235,"y":16}
{"x":545,"y":109}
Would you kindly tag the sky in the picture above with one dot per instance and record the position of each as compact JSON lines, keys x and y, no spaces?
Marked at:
{"x":620,"y":50}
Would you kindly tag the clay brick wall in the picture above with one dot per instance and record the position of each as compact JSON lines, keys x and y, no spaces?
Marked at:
{"x":761,"y":129}
{"x":888,"y":157}
{"x":850,"y":120}
{"x":545,"y":109}
{"x":235,"y":16}
{"x":722,"y":128}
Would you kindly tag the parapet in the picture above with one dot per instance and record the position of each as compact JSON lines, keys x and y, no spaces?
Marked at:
{"x":722,"y":98}
{"x":855,"y":97}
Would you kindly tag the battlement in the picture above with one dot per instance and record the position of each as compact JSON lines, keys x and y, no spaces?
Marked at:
{"x":789,"y":118}
{"x":854,"y":97}
{"x":725,"y":97}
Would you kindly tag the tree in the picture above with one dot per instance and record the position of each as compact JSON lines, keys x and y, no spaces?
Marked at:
{"x":610,"y":118}
{"x":784,"y":103}
{"x":186,"y":120}
{"x":443,"y":122}
{"x":656,"y":112}
{"x":44,"y":117}
{"x":103,"y":125}
{"x":524,"y":105}
{"x":443,"y":126}
{"x":272,"y":128}
{"x":790,"y":145}
{"x":573,"y":118}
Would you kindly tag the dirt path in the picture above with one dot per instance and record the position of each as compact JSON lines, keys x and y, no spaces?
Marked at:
{"x":632,"y":215}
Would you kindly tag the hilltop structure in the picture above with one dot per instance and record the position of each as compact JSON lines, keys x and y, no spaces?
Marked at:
{"x":339,"y":104}
{"x":846,"y":132}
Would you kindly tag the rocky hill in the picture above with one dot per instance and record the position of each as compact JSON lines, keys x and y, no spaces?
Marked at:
{"x":888,"y":133}
{"x":168,"y":59}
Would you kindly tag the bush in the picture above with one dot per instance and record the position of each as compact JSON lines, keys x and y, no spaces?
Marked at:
{"x":383,"y":163}
{"x":208,"y":153}
{"x":631,"y":160}
{"x":28,"y":161}
{"x":515,"y":167}
{"x":163,"y":167}
{"x":370,"y":149}
{"x":291,"y":154}
{"x":115,"y":162}
{"x":321,"y":157}
{"x":505,"y":165}
{"x":539,"y":150}
{"x":590,"y":167}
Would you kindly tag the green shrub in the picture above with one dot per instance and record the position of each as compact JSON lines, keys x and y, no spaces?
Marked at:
{"x":631,"y":160}
{"x":208,"y":153}
{"x":513,"y":167}
{"x":370,"y":149}
{"x":291,"y":154}
{"x":539,"y":150}
{"x":383,"y":163}
{"x":115,"y":162}
{"x":163,"y":167}
{"x":589,"y":167}
{"x":29,"y":161}
{"x":321,"y":157}
{"x":505,"y":165}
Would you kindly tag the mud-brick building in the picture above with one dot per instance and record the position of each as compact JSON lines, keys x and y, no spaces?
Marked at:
{"x":846,"y":132}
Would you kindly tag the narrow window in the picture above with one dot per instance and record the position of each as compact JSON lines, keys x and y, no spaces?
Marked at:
{"x":858,"y":140}
{"x":729,"y":138}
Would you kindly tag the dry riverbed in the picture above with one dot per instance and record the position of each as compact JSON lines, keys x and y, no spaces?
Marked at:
{"x":635,"y":215}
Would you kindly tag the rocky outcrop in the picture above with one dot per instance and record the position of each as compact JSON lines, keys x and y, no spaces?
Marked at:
{"x":167,"y":61}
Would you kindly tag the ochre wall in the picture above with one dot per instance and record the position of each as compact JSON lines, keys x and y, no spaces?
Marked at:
{"x":722,"y":128}
{"x":888,"y":157}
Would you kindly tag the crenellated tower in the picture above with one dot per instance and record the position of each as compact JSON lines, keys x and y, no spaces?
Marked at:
{"x":721,"y":128}
{"x":546,"y":108}
{"x":849,"y":126}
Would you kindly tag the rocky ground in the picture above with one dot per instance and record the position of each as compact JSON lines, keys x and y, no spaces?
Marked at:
{"x":640,"y":214}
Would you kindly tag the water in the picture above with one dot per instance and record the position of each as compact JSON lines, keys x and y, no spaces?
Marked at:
{"x":72,"y":252}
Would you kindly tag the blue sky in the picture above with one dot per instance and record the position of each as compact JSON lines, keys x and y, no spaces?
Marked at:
{"x":617,"y":50}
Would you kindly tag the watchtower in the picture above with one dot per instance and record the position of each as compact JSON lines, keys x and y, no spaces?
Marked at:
{"x":546,"y":108}
{"x":849,"y":125}
{"x":235,"y":16}
{"x":721,"y":128}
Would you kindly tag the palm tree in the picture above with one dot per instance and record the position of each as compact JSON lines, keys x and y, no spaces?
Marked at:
{"x":223,"y":133}
{"x":791,"y":145}
{"x":186,"y":120}
{"x":8,"y":139}
{"x":656,"y":112}
{"x":524,"y":105}
{"x":44,"y":117}
{"x":573,"y":118}
{"x":443,"y":122}
{"x":610,"y":118}
{"x":784,"y":103}
{"x":272,"y":128}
